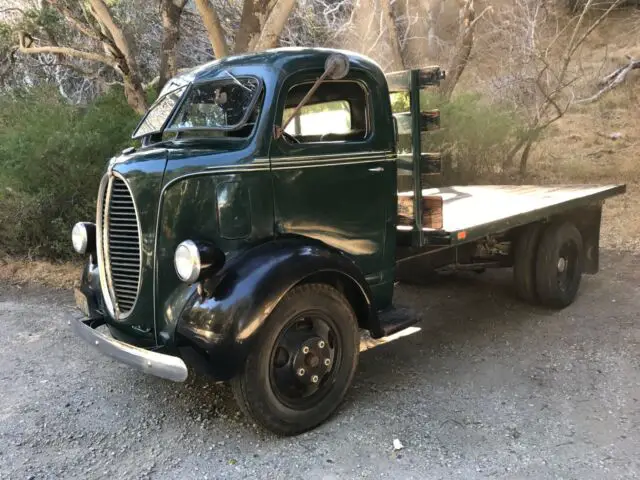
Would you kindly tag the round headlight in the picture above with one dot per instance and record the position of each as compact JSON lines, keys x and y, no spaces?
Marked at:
{"x":187,"y":261}
{"x":80,"y":237}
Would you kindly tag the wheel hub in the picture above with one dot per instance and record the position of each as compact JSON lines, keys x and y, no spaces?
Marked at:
{"x":312,"y":360}
{"x":562,"y":264}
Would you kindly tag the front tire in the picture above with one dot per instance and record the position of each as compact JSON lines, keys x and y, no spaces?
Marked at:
{"x":303,"y":362}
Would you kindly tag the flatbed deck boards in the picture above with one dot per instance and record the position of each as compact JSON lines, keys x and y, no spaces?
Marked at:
{"x":486,"y":209}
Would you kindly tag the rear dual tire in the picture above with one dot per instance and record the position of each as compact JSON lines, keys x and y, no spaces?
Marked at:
{"x":548,"y":264}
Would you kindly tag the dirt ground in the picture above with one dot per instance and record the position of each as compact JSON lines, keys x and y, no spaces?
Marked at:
{"x":489,"y":388}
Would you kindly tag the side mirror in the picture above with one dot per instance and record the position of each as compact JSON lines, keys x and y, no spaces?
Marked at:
{"x":336,"y":66}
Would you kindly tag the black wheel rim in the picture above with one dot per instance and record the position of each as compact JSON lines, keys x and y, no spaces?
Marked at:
{"x":305,"y":360}
{"x":567,"y":265}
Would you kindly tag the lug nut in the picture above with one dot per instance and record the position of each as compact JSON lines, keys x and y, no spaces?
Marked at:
{"x":327,"y":362}
{"x":321,"y":344}
{"x":300,"y":372}
{"x":305,"y":349}
{"x":314,"y":379}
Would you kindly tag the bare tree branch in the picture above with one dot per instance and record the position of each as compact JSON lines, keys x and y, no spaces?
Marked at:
{"x":545,"y":67}
{"x":12,"y":9}
{"x":214,"y":29}
{"x":72,"y":52}
{"x":613,"y":80}
{"x":103,"y":14}
{"x":75,"y":23}
{"x":129,"y":66}
{"x":463,"y":48}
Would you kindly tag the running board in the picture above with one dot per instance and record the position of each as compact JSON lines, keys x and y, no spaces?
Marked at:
{"x":367,"y":343}
{"x":395,"y":319}
{"x":394,"y":323}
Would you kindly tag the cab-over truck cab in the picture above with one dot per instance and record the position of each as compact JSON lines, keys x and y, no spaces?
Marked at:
{"x":255,"y":232}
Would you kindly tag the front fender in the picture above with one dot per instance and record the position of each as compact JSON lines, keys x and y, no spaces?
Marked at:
{"x":224,"y":327}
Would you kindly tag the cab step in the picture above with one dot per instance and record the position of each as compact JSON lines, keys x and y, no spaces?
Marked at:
{"x":395,"y":323}
{"x":397,"y":318}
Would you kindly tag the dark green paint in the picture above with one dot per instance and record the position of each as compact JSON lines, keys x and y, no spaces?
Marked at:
{"x":144,"y":171}
{"x":241,"y":193}
{"x":234,"y":210}
{"x":342,"y":194}
{"x":279,"y":212}
{"x":225,"y":327}
{"x":416,"y":146}
{"x":189,"y":211}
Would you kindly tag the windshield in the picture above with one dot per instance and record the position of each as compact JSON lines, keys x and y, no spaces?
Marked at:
{"x":157,"y":115}
{"x":218,"y":105}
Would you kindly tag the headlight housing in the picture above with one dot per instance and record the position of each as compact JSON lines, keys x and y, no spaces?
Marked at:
{"x":187,"y":261}
{"x":83,"y":237}
{"x":193,"y":260}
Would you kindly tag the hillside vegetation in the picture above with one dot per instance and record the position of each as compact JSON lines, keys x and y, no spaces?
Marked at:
{"x":75,"y":76}
{"x":599,"y":142}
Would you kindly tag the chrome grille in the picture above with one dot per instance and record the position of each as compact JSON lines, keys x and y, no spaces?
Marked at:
{"x":119,"y":247}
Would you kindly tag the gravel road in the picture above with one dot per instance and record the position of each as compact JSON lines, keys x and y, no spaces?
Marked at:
{"x":490,"y":388}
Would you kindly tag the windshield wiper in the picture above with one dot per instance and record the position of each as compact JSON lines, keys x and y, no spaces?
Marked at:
{"x":237,"y":81}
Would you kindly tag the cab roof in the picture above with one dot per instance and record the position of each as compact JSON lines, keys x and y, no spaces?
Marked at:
{"x":287,"y":60}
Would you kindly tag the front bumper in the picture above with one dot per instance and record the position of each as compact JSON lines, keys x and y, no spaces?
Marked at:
{"x":153,"y":363}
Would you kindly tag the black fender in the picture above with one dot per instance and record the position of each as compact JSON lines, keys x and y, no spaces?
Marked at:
{"x":223,"y":325}
{"x":90,"y":287}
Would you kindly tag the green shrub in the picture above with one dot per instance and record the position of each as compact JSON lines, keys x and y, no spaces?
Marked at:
{"x":52,"y":155}
{"x":474,"y":138}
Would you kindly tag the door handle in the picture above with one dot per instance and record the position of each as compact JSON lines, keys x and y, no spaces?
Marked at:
{"x":376,"y":169}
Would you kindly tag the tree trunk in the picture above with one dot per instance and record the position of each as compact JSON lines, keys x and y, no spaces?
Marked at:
{"x":392,"y":33}
{"x":274,"y":24}
{"x":261,"y":24}
{"x":525,"y":140}
{"x":370,"y":34}
{"x":135,"y":95}
{"x":214,"y":29}
{"x":462,"y":49}
{"x":254,"y":14}
{"x":417,"y":35}
{"x":524,"y":158}
{"x":508,"y":161}
{"x":171,"y":11}
{"x":124,"y":56}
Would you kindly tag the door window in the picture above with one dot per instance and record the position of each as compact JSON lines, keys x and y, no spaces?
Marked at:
{"x":319,"y":119}
{"x":337,"y":112}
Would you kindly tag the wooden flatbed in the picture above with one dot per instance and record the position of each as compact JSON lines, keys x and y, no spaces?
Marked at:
{"x":472,"y":212}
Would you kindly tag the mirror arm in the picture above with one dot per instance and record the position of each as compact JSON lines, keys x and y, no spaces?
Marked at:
{"x":278,"y":130}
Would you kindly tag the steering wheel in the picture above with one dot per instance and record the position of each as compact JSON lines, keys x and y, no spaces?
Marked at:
{"x":290,"y":137}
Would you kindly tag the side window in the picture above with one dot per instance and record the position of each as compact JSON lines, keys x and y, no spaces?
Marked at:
{"x":319,"y":119}
{"x":338,"y":111}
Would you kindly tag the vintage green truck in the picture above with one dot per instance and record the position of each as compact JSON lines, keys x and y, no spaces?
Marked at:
{"x":258,"y":231}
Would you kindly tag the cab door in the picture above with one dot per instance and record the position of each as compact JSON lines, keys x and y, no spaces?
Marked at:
{"x":332,"y":180}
